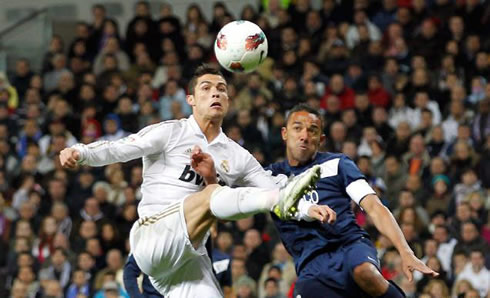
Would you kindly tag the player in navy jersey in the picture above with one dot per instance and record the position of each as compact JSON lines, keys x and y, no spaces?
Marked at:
{"x":338,"y":259}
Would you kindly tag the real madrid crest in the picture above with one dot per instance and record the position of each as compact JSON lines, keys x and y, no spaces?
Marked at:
{"x":225,"y":165}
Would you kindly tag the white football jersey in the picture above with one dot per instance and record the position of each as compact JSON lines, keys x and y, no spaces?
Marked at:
{"x":167,"y":174}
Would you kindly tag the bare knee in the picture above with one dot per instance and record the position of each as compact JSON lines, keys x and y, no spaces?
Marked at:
{"x":209,"y":189}
{"x":370,"y":280}
{"x":200,"y":201}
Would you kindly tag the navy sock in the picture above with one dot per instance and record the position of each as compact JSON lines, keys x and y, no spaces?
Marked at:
{"x":393,"y":291}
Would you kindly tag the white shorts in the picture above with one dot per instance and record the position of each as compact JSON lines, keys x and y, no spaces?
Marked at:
{"x":162,"y":249}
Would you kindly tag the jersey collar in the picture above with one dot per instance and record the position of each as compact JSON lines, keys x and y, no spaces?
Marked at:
{"x":220,"y":139}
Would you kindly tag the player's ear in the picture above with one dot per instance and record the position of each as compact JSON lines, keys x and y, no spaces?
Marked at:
{"x":190,"y":100}
{"x":284,"y":133}
{"x":323,"y":139}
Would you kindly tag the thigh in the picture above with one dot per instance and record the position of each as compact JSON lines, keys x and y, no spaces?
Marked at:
{"x":315,"y":288}
{"x":193,"y":279}
{"x":328,"y":270}
{"x":358,"y":252}
{"x":355,"y":254}
{"x":197,"y":214}
{"x":160,"y":243}
{"x":332,"y":270}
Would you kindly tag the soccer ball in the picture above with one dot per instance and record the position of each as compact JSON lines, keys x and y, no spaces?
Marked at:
{"x":240,"y":46}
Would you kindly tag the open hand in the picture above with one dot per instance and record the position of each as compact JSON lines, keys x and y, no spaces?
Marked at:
{"x":322,"y":213}
{"x":203,"y":164}
{"x":410,"y":263}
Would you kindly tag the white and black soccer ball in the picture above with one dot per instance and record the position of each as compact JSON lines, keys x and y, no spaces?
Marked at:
{"x":241,"y":46}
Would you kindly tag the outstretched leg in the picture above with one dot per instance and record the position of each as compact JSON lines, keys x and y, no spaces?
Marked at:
{"x":201,"y":209}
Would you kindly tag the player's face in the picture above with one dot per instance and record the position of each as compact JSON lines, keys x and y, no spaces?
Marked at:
{"x":210,"y":98}
{"x":303,"y":136}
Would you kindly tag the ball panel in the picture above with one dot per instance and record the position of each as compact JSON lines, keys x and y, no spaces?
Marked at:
{"x":240,"y":46}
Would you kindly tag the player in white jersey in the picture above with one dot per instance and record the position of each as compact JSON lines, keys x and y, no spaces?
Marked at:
{"x":181,"y":197}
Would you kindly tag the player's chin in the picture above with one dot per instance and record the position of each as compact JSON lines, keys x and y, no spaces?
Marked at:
{"x":304,"y":154}
{"x":217,"y":113}
{"x":217,"y":108}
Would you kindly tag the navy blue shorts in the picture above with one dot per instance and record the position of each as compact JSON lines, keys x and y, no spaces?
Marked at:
{"x":330,"y":274}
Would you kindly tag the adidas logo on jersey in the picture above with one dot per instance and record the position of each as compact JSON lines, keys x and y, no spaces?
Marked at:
{"x":188,"y":151}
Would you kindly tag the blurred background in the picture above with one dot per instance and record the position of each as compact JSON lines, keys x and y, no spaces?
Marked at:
{"x":403,"y":86}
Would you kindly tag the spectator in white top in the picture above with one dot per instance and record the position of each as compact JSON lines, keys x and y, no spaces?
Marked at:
{"x":112,"y":128}
{"x":369,"y":135}
{"x":56,"y":127}
{"x":52,"y":77}
{"x":469,"y":184}
{"x":430,"y":250}
{"x":112,"y":47}
{"x":400,"y":112}
{"x":173,"y":93}
{"x":445,"y":246}
{"x":476,"y":273}
{"x":352,"y":37}
{"x":451,"y":124}
{"x":422,"y":101}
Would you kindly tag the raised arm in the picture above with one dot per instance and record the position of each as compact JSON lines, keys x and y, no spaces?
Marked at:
{"x":387,"y":225}
{"x":149,"y":140}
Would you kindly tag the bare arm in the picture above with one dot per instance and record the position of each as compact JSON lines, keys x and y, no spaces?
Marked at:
{"x":387,"y":225}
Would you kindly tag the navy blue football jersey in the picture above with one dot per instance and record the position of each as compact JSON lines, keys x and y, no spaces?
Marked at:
{"x":222,"y":268}
{"x":304,"y":240}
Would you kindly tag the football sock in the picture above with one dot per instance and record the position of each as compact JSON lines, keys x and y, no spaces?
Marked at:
{"x":237,"y":203}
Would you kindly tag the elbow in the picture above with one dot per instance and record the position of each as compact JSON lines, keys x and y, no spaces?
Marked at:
{"x":381,"y":211}
{"x":373,"y":206}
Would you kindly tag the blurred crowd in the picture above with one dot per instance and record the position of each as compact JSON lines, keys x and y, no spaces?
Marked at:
{"x":403,"y":86}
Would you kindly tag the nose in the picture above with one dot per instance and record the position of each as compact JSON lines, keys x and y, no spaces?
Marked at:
{"x":303,"y":134}
{"x":215,"y":93}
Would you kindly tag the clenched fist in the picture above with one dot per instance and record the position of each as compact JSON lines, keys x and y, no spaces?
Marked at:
{"x":69,"y":158}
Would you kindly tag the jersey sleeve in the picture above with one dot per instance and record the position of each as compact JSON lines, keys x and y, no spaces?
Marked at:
{"x":254,"y":175}
{"x":353,"y":180}
{"x":150,"y":140}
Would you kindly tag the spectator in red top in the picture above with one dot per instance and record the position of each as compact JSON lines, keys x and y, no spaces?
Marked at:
{"x":377,"y":94}
{"x":337,"y":87}
{"x":43,"y":246}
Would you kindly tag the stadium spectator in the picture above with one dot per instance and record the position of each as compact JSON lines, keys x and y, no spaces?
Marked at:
{"x":416,"y":66}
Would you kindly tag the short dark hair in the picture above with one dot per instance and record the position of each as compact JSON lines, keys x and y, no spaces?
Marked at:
{"x":85,"y":252}
{"x":275,"y":267}
{"x":439,"y":213}
{"x":478,"y":250}
{"x":394,"y":157}
{"x":199,"y":72}
{"x":99,"y":6}
{"x":62,"y":250}
{"x":143,"y":2}
{"x":304,"y":108}
{"x":273,"y":280}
